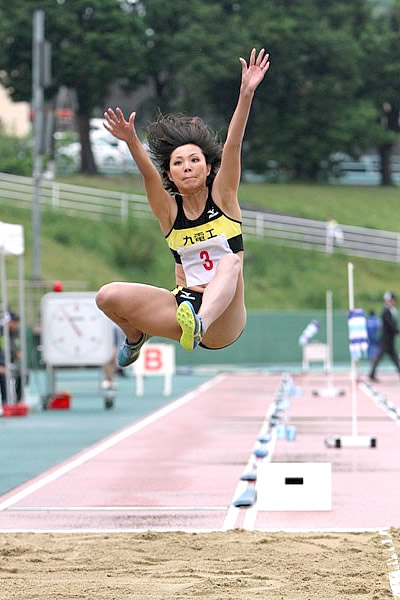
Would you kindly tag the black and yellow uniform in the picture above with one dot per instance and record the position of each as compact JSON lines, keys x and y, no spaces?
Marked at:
{"x":211,"y":223}
{"x":183,"y":294}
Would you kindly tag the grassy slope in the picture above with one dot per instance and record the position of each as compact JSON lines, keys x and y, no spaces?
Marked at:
{"x":367,"y":206}
{"x":276,"y":277}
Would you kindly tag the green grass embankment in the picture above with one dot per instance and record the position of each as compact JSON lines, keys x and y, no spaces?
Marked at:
{"x":277,"y":277}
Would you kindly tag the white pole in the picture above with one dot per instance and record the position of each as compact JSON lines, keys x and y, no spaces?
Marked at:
{"x":329,"y":331}
{"x":38,"y":107}
{"x":22,"y":324}
{"x":10,"y":389}
{"x":354,"y":432}
{"x":350,"y":269}
{"x":139,"y":385}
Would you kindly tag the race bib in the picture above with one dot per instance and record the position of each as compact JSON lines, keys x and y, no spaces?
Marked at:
{"x":200,"y":260}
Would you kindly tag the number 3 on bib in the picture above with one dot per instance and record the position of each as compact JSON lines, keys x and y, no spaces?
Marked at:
{"x":208,"y":263}
{"x":200,"y":260}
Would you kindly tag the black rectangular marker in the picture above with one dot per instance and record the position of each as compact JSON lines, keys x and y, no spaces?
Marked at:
{"x":294,"y":481}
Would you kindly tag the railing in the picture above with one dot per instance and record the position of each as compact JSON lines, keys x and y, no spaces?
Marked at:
{"x":312,"y":234}
{"x":73,"y":199}
{"x":289,"y":231}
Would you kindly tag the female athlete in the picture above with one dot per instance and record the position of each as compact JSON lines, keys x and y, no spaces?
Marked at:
{"x":192,"y":188}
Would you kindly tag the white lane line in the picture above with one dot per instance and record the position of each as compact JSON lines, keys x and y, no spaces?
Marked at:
{"x":250,"y":518}
{"x":190,"y":530}
{"x":233,"y":511}
{"x":392,"y":562}
{"x":377,"y":399}
{"x":85,"y":530}
{"x":393,"y":565}
{"x":108,"y":443}
{"x":114,"y":508}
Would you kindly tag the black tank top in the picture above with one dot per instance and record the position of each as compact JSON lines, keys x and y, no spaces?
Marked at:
{"x":209,"y":224}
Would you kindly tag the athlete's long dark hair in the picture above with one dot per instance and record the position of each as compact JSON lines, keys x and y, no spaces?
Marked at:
{"x":168,"y":132}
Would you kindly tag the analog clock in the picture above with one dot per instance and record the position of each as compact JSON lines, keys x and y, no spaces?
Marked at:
{"x":74,"y":330}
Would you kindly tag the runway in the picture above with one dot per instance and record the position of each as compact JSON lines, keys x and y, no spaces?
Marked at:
{"x":179,"y":468}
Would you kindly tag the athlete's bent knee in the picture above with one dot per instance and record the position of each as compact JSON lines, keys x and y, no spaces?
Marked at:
{"x":231,"y":262}
{"x":106,"y":296}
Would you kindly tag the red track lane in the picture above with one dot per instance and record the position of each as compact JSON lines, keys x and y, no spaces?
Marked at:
{"x":365,"y":481}
{"x":180,"y":468}
{"x":192,"y":457}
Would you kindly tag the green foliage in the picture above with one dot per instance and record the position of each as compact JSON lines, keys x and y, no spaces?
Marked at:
{"x":332,"y":86}
{"x":94,"y":45}
{"x":311,"y":97}
{"x":314,"y":101}
{"x":380,"y":70}
{"x":15,"y":154}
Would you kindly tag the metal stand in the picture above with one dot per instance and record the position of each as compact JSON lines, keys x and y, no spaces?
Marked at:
{"x":354,"y":440}
{"x":109,"y":394}
{"x":330,"y":391}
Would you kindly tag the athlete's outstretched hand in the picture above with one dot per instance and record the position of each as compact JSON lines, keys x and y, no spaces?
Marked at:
{"x":118,"y":126}
{"x":253,"y":73}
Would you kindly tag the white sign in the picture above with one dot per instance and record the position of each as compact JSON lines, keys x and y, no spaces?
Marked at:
{"x":155,"y":359}
{"x":315,"y":352}
{"x":11,"y":239}
{"x":294,"y":486}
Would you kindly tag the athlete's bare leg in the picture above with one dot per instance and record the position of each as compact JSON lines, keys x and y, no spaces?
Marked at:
{"x":220,"y":291}
{"x":222,"y":309}
{"x":139,"y":308}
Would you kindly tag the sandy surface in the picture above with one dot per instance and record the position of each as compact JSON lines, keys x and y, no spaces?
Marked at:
{"x":233,"y":565}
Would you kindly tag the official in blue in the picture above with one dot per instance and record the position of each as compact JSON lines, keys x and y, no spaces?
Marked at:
{"x":373,"y":330}
{"x":192,"y":188}
{"x":390,"y":329}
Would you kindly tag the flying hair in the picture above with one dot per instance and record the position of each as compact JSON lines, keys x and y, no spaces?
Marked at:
{"x":168,"y":132}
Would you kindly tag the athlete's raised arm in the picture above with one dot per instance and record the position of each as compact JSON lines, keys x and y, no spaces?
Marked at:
{"x":159,"y":200}
{"x":227,"y":180}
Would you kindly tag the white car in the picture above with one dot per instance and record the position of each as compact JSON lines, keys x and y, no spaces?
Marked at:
{"x":102,"y":136}
{"x":106,"y":157}
{"x":109,"y":157}
{"x":99,"y":132}
{"x":110,"y":154}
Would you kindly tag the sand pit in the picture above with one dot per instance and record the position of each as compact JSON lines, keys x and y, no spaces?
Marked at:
{"x":232,"y":565}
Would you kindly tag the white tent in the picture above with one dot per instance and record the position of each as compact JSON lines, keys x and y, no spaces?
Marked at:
{"x":12,"y":244}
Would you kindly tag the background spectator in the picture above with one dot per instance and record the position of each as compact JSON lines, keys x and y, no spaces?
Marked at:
{"x":390,"y":329}
{"x":15,"y":354}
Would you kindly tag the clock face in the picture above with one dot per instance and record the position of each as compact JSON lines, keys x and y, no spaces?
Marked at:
{"x":74,"y":330}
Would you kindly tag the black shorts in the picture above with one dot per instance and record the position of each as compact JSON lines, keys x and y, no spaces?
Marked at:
{"x":181,"y":294}
{"x":195,"y":298}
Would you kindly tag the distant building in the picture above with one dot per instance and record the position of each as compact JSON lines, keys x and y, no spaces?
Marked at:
{"x":14,"y":116}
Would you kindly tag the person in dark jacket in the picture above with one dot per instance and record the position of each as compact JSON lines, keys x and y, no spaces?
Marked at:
{"x":15,"y":352}
{"x":389,"y":330}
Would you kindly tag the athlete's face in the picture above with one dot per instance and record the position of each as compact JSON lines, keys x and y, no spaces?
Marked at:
{"x":188,"y":168}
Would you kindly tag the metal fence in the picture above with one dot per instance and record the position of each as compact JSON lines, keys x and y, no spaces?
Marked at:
{"x":72,"y":199}
{"x":286,"y":230}
{"x":315,"y":235}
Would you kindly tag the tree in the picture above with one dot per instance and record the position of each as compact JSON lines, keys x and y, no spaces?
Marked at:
{"x":190,"y":52}
{"x":381,"y":78}
{"x":94,"y":45}
{"x":310,"y":108}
